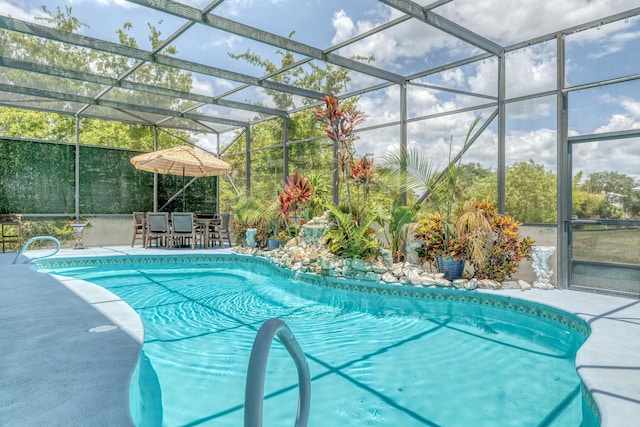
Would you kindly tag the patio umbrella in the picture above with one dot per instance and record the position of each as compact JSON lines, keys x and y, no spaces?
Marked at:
{"x":182,"y":161}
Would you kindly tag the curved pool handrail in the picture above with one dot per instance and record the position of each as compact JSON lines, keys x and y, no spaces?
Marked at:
{"x":33,"y":239}
{"x":254,"y":392}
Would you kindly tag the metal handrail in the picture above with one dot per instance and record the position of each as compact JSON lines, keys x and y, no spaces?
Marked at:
{"x":33,"y":239}
{"x":254,"y":392}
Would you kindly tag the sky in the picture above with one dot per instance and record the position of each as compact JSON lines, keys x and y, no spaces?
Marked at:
{"x":608,"y":52}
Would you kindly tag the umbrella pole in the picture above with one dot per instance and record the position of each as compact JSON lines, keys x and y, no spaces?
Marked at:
{"x":183,"y":189}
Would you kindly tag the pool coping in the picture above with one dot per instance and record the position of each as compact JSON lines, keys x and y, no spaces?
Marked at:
{"x":608,"y":362}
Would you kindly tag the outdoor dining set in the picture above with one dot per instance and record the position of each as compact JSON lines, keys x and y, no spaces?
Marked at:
{"x":181,"y":229}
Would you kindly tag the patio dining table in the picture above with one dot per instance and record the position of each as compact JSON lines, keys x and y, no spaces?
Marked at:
{"x":208,"y":224}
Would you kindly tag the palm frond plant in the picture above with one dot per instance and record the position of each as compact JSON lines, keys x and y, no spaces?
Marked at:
{"x":436,"y":231}
{"x":409,"y":169}
{"x":412,"y":169}
{"x":249,"y":213}
{"x":398,"y":218}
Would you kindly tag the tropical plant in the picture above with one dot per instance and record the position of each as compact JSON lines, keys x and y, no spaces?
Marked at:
{"x":507,"y":247}
{"x":351,"y":236}
{"x":249,"y":213}
{"x":297,"y":192}
{"x":434,"y":233}
{"x":399,"y":219}
{"x":473,"y":230}
{"x":490,"y":242}
{"x":322,"y":190}
{"x":341,"y":120}
{"x":276,"y":225}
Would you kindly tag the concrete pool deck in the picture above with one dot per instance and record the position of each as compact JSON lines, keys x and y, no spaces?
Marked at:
{"x":56,"y":371}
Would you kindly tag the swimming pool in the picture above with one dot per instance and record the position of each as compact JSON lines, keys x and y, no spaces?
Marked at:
{"x":378,"y":354}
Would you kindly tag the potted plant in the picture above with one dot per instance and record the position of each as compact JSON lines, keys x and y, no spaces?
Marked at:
{"x":276,"y":226}
{"x":477,"y":234}
{"x":437,"y":231}
{"x":439,"y":245}
{"x":451,"y":240}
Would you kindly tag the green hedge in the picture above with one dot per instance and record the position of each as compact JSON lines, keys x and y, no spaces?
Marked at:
{"x":39,"y":177}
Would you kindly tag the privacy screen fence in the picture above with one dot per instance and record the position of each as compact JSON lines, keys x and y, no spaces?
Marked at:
{"x":40,"y":178}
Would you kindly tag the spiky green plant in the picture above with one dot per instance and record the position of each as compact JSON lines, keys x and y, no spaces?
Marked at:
{"x":350,"y":236}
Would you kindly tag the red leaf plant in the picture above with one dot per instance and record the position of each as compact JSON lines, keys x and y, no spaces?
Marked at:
{"x":297,"y":192}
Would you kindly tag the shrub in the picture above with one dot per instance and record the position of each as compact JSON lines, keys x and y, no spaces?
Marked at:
{"x":506,"y":249}
{"x":490,"y":242}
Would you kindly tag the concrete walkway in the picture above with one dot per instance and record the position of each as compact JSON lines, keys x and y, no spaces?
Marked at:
{"x":54,"y":371}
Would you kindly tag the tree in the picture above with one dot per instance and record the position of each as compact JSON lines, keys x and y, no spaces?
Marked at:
{"x":469,"y":173}
{"x":617,"y":188}
{"x":61,"y":127}
{"x":530,"y":192}
{"x":308,"y":158}
{"x":330,"y":79}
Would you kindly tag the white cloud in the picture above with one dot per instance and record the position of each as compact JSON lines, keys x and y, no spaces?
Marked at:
{"x":630,"y":119}
{"x":236,"y":7}
{"x":344,"y":26}
{"x":529,"y":71}
{"x":229,"y":41}
{"x":19,"y":10}
{"x":106,"y":3}
{"x":410,"y":41}
{"x":529,"y":18}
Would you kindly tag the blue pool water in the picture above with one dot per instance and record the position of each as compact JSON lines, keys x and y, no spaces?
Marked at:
{"x":376,"y":358}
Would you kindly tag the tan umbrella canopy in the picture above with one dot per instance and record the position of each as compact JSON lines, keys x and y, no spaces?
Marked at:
{"x":182,"y":161}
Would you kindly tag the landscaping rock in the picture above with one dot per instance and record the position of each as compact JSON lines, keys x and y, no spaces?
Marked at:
{"x":525,"y":286}
{"x":540,"y":285}
{"x":315,"y":258}
{"x":389,"y":278}
{"x":510,"y":285}
{"x":471,"y":284}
